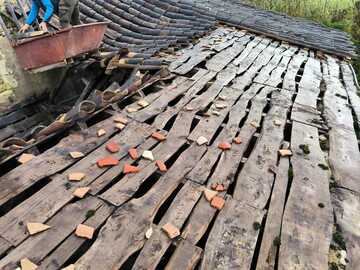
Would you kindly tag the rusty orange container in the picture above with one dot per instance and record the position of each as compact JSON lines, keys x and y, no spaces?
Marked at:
{"x":56,"y":47}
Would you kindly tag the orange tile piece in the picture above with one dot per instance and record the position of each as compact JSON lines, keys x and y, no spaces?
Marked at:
{"x":224,"y":146}
{"x":76,"y":176}
{"x":130,"y":169}
{"x":84,"y":231}
{"x":113,"y":147}
{"x":161,"y":165}
{"x":209,"y":194}
{"x":81,"y":192}
{"x":26,"y":264}
{"x":76,"y":154}
{"x":237,"y":140}
{"x":158,"y":136}
{"x":220,"y":187}
{"x":101,"y":132}
{"x":107,"y":161}
{"x":171,"y":230}
{"x":120,"y":120}
{"x":133,"y":153}
{"x":25,"y":158}
{"x":285,"y":152}
{"x":218,"y":202}
{"x":34,"y":228}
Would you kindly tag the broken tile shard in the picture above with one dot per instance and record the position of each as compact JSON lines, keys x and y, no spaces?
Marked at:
{"x":143,"y":103}
{"x":26,"y":264}
{"x":218,"y":202}
{"x":133,"y":153}
{"x":217,"y":113}
{"x":158,"y":136}
{"x":121,"y":120}
{"x":101,"y":132}
{"x":202,"y":140}
{"x":76,"y":154}
{"x":285,"y":152}
{"x":130,"y":169}
{"x":148,"y":155}
{"x":209,"y":194}
{"x":34,"y":228}
{"x":220,"y":187}
{"x":81,"y":192}
{"x":161,"y":165}
{"x":131,"y":110}
{"x":76,"y":176}
{"x":112,"y":147}
{"x":220,"y":106}
{"x":254,"y":124}
{"x":120,"y":126}
{"x":84,"y":231}
{"x":107,"y":161}
{"x":277,"y":123}
{"x":224,"y":146}
{"x":69,"y":267}
{"x":171,"y":231}
{"x":25,"y":158}
{"x":237,"y":140}
{"x":148,"y":233}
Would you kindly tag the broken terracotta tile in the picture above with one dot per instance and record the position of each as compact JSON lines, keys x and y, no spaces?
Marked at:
{"x":148,"y":233}
{"x":130,"y":169}
{"x":220,"y":187}
{"x":213,"y":186}
{"x":101,"y":132}
{"x":158,"y":136}
{"x":209,"y":194}
{"x":120,"y":126}
{"x":237,"y":140}
{"x":76,"y":176}
{"x":34,"y":228}
{"x":84,"y":231}
{"x":202,"y":140}
{"x":220,"y":106}
{"x":76,"y":154}
{"x":224,"y":146}
{"x":254,"y":124}
{"x":25,"y":158}
{"x":69,"y":267}
{"x":131,"y":110}
{"x":143,"y":103}
{"x":148,"y":155}
{"x":277,"y":122}
{"x":218,"y":202}
{"x":81,"y":192}
{"x":171,"y":230}
{"x":285,"y":152}
{"x":189,"y":108}
{"x":133,"y":153}
{"x":217,"y":113}
{"x":26,"y":264}
{"x":121,"y":120}
{"x":161,"y":165}
{"x":107,"y":161}
{"x":112,"y":147}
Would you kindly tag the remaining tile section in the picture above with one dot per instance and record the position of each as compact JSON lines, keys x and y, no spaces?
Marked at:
{"x":218,"y":202}
{"x":76,"y":176}
{"x":224,"y":146}
{"x":81,"y":192}
{"x":148,"y":155}
{"x":76,"y":155}
{"x":133,"y":153}
{"x":108,"y":161}
{"x":84,"y":231}
{"x":25,"y":158}
{"x":158,"y":136}
{"x":112,"y":147}
{"x":34,"y":228}
{"x":161,"y":165}
{"x":171,"y":230}
{"x":130,"y":169}
{"x":26,"y":264}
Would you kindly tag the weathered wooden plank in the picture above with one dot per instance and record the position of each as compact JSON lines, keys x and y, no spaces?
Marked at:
{"x":347,"y":211}
{"x":53,"y":160}
{"x":186,"y":257}
{"x":56,"y":194}
{"x":248,"y":49}
{"x":232,"y":240}
{"x":307,"y":222}
{"x":127,"y":226}
{"x":62,"y":225}
{"x":70,"y":246}
{"x":254,"y":183}
{"x":177,"y":214}
{"x":271,"y":235}
{"x":295,"y":64}
{"x":4,"y":246}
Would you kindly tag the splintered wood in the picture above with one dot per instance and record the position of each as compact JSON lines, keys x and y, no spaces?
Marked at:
{"x":226,"y":166}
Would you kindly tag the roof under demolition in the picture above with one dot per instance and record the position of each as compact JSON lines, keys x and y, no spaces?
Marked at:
{"x":239,"y":151}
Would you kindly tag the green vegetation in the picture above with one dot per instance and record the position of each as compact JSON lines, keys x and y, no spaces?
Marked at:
{"x":339,"y":14}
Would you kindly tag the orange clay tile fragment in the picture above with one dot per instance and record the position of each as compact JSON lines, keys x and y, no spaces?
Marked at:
{"x":158,"y":136}
{"x":220,"y":187}
{"x":218,"y":202}
{"x":224,"y":146}
{"x":107,"y":161}
{"x":81,"y":192}
{"x":26,"y":264}
{"x":76,"y":154}
{"x":161,"y":165}
{"x":25,"y":158}
{"x":84,"y":231}
{"x":101,"y":132}
{"x":130,"y":169}
{"x":210,"y":194}
{"x":112,"y":147}
{"x":133,"y":153}
{"x":171,"y":230}
{"x":34,"y":228}
{"x":237,"y":140}
{"x":285,"y":152}
{"x":76,"y":176}
{"x":120,"y":126}
{"x":120,"y":120}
